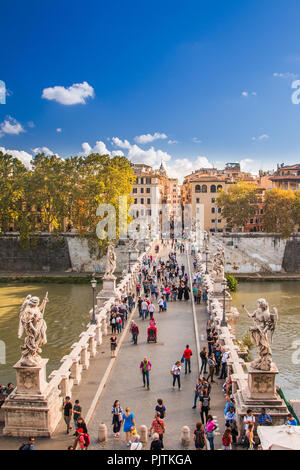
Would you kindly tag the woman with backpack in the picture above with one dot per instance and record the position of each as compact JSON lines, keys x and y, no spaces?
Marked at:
{"x":227,"y":440}
{"x":209,"y":429}
{"x":199,"y":437}
{"x":160,"y":407}
{"x":204,"y":406}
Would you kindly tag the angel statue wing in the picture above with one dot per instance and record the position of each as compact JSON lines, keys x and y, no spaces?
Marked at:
{"x":273,"y":322}
{"x":24,"y":304}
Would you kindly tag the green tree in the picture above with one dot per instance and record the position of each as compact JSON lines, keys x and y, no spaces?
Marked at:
{"x":238,"y":204}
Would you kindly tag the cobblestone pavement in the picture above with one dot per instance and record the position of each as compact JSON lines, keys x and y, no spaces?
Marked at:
{"x":175,"y":330}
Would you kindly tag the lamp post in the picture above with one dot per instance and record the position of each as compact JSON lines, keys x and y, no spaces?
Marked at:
{"x":129,"y":262}
{"x":224,"y":285}
{"x":93,"y":284}
{"x":206,"y":254}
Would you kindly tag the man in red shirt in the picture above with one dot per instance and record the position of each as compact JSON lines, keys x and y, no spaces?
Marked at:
{"x":187,"y":353}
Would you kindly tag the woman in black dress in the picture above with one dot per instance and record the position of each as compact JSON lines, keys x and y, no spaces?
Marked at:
{"x":113,"y":345}
{"x":180,"y":292}
{"x":186,"y":291}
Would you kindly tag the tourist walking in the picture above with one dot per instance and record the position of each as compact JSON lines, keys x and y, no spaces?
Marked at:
{"x":67,"y":409}
{"x":77,"y":410}
{"x":197,"y":391}
{"x":145,"y":368}
{"x":128,"y":425}
{"x":176,"y":370}
{"x":160,"y":407}
{"x":200,"y":437}
{"x":187,"y":353}
{"x":204,"y":406}
{"x":203,"y":356}
{"x":158,"y":425}
{"x":156,"y":444}
{"x":113,"y":345}
{"x":227,"y":440}
{"x":211,"y":368}
{"x":135,"y":332}
{"x":136,"y":444}
{"x":209,"y":429}
{"x":117,"y":413}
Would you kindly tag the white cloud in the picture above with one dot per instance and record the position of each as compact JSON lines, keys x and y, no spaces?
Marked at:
{"x":75,"y":94}
{"x":45,"y":150}
{"x":288,"y":75}
{"x":30,"y":124}
{"x":124,"y":144}
{"x":245,"y":93}
{"x":59,"y":129}
{"x":21,"y":155}
{"x":170,"y":142}
{"x":182,"y":167}
{"x":11,"y":126}
{"x":146,"y":138}
{"x":261,"y":138}
{"x":99,"y":147}
{"x":196,"y":140}
{"x":136,"y":154}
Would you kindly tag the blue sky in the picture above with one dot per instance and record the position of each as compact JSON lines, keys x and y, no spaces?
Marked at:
{"x":200,"y":81}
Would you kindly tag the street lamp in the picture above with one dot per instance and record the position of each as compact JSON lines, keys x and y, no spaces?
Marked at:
{"x":206,"y":254}
{"x":94,"y":285}
{"x":224,"y":285}
{"x":129,"y":262}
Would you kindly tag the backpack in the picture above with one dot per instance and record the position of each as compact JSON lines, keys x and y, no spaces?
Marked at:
{"x":86,"y":440}
{"x":199,"y":441}
{"x":226,"y":442}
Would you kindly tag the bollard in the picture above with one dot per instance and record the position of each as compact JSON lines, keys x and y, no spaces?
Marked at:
{"x":144,"y":434}
{"x":102,"y":433}
{"x":185,"y":436}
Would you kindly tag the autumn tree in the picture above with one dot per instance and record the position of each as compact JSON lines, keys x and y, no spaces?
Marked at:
{"x":281,"y":208}
{"x":238,"y":204}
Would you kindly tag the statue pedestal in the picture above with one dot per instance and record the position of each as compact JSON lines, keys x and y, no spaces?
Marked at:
{"x":32,"y":409}
{"x":261,"y":383}
{"x":134,"y":254}
{"x":108,"y":291}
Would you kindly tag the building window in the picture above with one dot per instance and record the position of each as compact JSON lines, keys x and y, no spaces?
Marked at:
{"x":148,"y":211}
{"x":148,"y":200}
{"x":134,"y":190}
{"x":219,"y":221}
{"x":148,"y":190}
{"x":197,"y":200}
{"x":213,"y":189}
{"x":251,"y":221}
{"x":213,"y":221}
{"x":148,"y":180}
{"x":197,"y":188}
{"x":219,"y":210}
{"x":213,"y":200}
{"x":204,"y":188}
{"x":135,"y":201}
{"x":142,"y":181}
{"x":142,"y":190}
{"x":213,"y":210}
{"x":142,"y":200}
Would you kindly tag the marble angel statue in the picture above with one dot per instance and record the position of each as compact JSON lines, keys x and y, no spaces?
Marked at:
{"x":264,"y":321}
{"x":32,"y":323}
{"x":111,"y":262}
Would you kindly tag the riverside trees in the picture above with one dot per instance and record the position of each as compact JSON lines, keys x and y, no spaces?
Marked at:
{"x":57,"y":193}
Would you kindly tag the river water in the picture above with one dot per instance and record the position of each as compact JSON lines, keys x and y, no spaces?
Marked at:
{"x":285,"y":295}
{"x":66,"y":316}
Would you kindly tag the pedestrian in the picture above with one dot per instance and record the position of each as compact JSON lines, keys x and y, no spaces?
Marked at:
{"x":248,"y":419}
{"x":227,"y":440}
{"x":144,"y":309}
{"x":187,"y":353}
{"x":117,"y":413}
{"x":136,"y":444}
{"x":67,"y":409}
{"x":160,"y":407}
{"x":113,"y":323}
{"x":83,"y":439}
{"x":30,"y":445}
{"x":250,"y":436}
{"x":210,"y":434}
{"x":200,"y":437}
{"x":291,"y":421}
{"x":151,"y":309}
{"x":204,"y":406}
{"x":135,"y":332}
{"x":145,"y":368}
{"x":76,"y":414}
{"x":129,"y":425}
{"x":197,"y":391}
{"x":224,"y":359}
{"x":113,"y":345}
{"x":158,"y":425}
{"x":156,"y":444}
{"x":176,"y":370}
{"x":82,"y":424}
{"x":203,"y":356}
{"x":119,"y":323}
{"x":211,"y":368}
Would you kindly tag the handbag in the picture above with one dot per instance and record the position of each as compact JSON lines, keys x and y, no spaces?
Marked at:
{"x":182,"y":360}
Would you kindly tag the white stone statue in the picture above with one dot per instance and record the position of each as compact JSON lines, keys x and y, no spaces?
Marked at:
{"x":111,"y":262}
{"x":264,"y":321}
{"x":219,"y":263}
{"x":32,"y":322}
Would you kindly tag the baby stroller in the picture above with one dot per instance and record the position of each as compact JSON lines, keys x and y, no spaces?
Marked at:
{"x":152,"y":332}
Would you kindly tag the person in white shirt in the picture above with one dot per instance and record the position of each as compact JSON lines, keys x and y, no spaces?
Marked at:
{"x":176,"y":370}
{"x":249,"y":418}
{"x":136,"y":444}
{"x":151,"y":309}
{"x":144,"y":309}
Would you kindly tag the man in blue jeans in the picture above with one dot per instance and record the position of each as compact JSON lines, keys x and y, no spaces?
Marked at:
{"x":145,"y":367}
